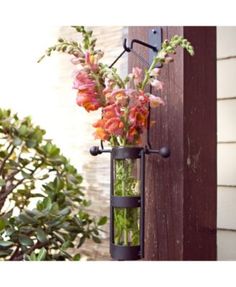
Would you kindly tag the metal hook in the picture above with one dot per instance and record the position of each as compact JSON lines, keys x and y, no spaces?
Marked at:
{"x":126,"y":48}
{"x":129,"y":49}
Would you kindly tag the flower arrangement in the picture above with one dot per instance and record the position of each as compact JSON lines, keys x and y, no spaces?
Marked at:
{"x":123,"y":102}
{"x":124,"y":105}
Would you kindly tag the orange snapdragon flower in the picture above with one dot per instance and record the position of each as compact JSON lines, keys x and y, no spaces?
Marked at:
{"x":138,"y":116}
{"x":110,"y":124}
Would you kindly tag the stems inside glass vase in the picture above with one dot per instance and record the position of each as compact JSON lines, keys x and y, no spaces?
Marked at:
{"x":126,"y":221}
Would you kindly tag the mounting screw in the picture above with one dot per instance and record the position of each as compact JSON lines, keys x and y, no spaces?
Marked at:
{"x":94,"y":150}
{"x":154,"y":31}
{"x":164,"y":151}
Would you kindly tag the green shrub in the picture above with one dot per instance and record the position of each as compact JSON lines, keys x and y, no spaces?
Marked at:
{"x":42,"y":207}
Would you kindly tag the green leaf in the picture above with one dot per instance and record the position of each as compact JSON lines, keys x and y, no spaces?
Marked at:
{"x":27,"y":257}
{"x":33,"y":213}
{"x":33,"y":256}
{"x":17,"y":141}
{"x":2,"y":224}
{"x":45,"y":176}
{"x":67,"y":244}
{"x":26,"y":218}
{"x":81,"y":242}
{"x":96,"y":239}
{"x":2,"y":182}
{"x":9,"y":231}
{"x":22,"y":130}
{"x":102,"y":220}
{"x":25,"y":240}
{"x":59,"y":183}
{"x":52,"y":150}
{"x":77,"y":257}
{"x":42,"y":254}
{"x":26,"y":175}
{"x":55,"y":222}
{"x":8,"y":214}
{"x":28,"y":229}
{"x":47,"y":202}
{"x":64,"y":211}
{"x":86,"y":203}
{"x":31,"y":143}
{"x":4,"y":253}
{"x":5,"y":244}
{"x":3,"y":153}
{"x":41,"y":235}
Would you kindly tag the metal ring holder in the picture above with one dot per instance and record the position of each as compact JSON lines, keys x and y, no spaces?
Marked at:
{"x":121,"y":252}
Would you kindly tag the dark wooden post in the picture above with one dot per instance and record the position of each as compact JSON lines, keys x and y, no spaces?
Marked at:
{"x":181,"y":191}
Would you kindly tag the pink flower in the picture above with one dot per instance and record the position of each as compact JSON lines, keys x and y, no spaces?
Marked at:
{"x":120,"y":97}
{"x":155,"y":101}
{"x":77,"y":60}
{"x":136,"y":98}
{"x":158,"y":85}
{"x":109,"y":99}
{"x":111,"y":111}
{"x":87,"y":102}
{"x":114,"y":126}
{"x":132,"y":135}
{"x":155,"y":73}
{"x":82,"y":81}
{"x":137,"y":74}
{"x":138,"y":116}
{"x":87,"y":95}
{"x":91,"y":61}
{"x":109,"y":83}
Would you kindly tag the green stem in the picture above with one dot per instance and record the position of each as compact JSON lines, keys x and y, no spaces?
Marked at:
{"x":126,"y":219}
{"x":147,"y":74}
{"x":124,"y":194}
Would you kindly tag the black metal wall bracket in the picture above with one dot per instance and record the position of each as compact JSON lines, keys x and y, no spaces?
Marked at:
{"x":154,"y":44}
{"x":154,"y":39}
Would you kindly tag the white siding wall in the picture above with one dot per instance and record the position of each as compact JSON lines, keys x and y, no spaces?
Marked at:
{"x":226,"y":136}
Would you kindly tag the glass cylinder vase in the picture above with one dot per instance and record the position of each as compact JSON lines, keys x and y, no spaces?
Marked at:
{"x":127,"y":203}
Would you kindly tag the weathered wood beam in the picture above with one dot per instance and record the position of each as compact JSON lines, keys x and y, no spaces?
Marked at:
{"x":181,"y":191}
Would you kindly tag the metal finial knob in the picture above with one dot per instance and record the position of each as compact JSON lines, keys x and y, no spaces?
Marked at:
{"x":94,"y":150}
{"x":164,"y":151}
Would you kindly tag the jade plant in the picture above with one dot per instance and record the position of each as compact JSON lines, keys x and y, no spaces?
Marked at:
{"x":124,"y":105}
{"x":42,"y":206}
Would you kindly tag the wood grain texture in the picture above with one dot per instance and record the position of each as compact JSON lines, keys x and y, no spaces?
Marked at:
{"x":180,"y":221}
{"x":200,"y":145}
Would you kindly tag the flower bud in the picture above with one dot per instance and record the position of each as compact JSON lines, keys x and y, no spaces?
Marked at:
{"x":168,"y":60}
{"x":155,"y":101}
{"x":155,"y":72}
{"x":158,"y":85}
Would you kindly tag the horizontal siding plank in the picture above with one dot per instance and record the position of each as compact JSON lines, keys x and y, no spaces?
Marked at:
{"x":226,"y":164}
{"x":226,"y":78}
{"x":226,"y":216}
{"x":226,"y":245}
{"x":226,"y":148}
{"x":226,"y":41}
{"x":226,"y":127}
